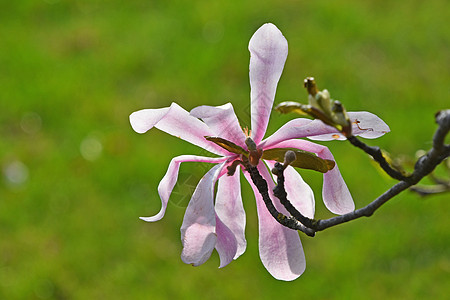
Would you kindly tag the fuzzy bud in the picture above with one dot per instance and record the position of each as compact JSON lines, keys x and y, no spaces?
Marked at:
{"x":289,"y":157}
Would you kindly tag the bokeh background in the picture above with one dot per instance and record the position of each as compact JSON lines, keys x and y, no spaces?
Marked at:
{"x":76,"y":177}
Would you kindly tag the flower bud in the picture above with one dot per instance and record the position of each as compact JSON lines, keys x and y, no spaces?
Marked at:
{"x":289,"y":157}
{"x":251,"y":145}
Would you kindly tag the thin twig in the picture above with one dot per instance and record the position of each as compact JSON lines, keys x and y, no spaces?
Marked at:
{"x":377,"y":155}
{"x":261,"y":185}
{"x":280,"y":192}
{"x":424,"y":166}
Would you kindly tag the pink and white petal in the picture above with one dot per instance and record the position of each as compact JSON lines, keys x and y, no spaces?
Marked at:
{"x":335,"y":193}
{"x":299,"y":193}
{"x":293,"y":129}
{"x":324,"y":132}
{"x":230,"y":210}
{"x":198,"y":243}
{"x":226,"y":244}
{"x":143,"y":120}
{"x":223,"y":122}
{"x":364,"y":124}
{"x":198,"y":231}
{"x":280,"y":249}
{"x":166,"y":184}
{"x":268,"y":53}
{"x":368,"y":125}
{"x":176,"y":121}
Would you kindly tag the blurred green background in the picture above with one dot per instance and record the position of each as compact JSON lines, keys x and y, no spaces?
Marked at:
{"x":76,"y":177}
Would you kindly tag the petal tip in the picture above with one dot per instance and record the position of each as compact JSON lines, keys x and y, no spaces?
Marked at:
{"x":135,"y":122}
{"x":149,"y":219}
{"x":265,"y":33}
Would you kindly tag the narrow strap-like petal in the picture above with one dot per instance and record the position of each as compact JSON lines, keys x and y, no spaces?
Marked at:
{"x":268,"y":52}
{"x":166,"y":184}
{"x":280,"y":249}
{"x":299,"y":193}
{"x":335,"y":193}
{"x":175,"y":121}
{"x":230,"y":209}
{"x":199,"y":224}
{"x":290,"y":130}
{"x":223,"y":122}
{"x":364,"y":124}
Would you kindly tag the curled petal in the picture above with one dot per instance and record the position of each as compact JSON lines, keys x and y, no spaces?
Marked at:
{"x":145,"y":119}
{"x":335,"y":193}
{"x":299,"y":193}
{"x":166,"y":184}
{"x":175,"y":121}
{"x":230,"y":210}
{"x":226,"y":244}
{"x":199,"y":224}
{"x":364,"y":124}
{"x":223,"y":122}
{"x":198,"y":241}
{"x":268,"y":52}
{"x":280,"y":249}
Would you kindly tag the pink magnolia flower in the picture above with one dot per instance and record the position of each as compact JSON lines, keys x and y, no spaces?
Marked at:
{"x":215,"y":219}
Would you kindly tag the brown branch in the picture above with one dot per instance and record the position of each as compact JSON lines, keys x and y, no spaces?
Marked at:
{"x":424,"y":166}
{"x":377,"y":155}
{"x":280,"y":192}
{"x":261,"y":185}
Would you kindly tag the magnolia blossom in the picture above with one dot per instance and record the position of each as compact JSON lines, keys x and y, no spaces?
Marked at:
{"x":215,"y":219}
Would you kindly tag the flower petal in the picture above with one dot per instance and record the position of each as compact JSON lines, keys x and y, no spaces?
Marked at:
{"x":364,"y":124}
{"x":299,"y":193}
{"x":223,"y":122}
{"x":280,"y":249}
{"x":175,"y":121}
{"x":268,"y":52}
{"x":296,"y":128}
{"x":166,"y":184}
{"x":145,"y":119}
{"x":199,"y":224}
{"x":226,"y":244}
{"x":230,"y":210}
{"x":335,"y":193}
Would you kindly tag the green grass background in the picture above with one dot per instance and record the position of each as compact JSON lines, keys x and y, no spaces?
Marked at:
{"x":73,"y":71}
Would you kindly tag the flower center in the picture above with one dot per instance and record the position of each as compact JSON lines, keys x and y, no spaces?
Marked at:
{"x":254,"y":154}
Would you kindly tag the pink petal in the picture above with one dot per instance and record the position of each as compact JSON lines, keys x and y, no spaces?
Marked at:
{"x":199,"y":224}
{"x":178,"y":122}
{"x":336,"y":196}
{"x":364,"y":124}
{"x":198,"y":241}
{"x":368,"y":125}
{"x":268,"y":52}
{"x":293,"y":129}
{"x":145,"y":119}
{"x":223,"y":122}
{"x":230,"y":209}
{"x":166,"y":184}
{"x":280,"y":249}
{"x":299,"y":193}
{"x":226,"y":244}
